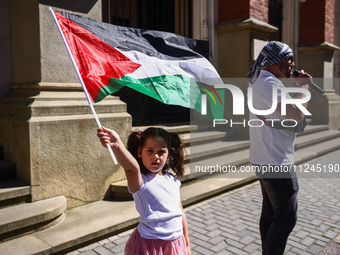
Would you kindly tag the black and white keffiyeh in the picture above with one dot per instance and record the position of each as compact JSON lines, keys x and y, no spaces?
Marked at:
{"x":272,"y":53}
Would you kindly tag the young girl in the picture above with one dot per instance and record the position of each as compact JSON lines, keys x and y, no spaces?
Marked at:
{"x":163,"y":227}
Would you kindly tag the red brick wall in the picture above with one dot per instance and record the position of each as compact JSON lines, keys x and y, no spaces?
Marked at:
{"x":317,"y":21}
{"x":329,"y":21}
{"x":229,"y":10}
{"x":259,"y":10}
{"x":232,"y":10}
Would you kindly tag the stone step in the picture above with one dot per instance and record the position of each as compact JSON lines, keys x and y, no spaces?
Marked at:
{"x":81,"y":226}
{"x":313,"y":134}
{"x":208,"y":187}
{"x":316,"y":150}
{"x":312,"y":138}
{"x":204,"y":137}
{"x":313,"y":129}
{"x":203,"y":151}
{"x":219,"y":138}
{"x":13,"y":192}
{"x":29,"y":217}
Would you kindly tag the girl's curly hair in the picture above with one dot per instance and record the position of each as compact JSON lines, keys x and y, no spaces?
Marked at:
{"x":137,"y":140}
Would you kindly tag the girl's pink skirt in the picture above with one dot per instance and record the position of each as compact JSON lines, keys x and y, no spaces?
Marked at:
{"x":137,"y":245}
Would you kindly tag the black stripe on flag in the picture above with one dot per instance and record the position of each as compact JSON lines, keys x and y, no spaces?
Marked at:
{"x":163,"y":45}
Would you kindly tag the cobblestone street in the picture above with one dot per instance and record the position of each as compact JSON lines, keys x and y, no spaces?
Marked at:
{"x":228,"y":224}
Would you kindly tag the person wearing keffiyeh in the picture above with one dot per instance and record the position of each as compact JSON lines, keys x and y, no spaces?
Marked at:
{"x":272,"y":148}
{"x":273,"y":53}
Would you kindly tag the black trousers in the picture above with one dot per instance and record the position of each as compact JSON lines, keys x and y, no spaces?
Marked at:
{"x":279,"y":212}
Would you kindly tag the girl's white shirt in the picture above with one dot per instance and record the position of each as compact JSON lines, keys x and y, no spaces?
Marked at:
{"x":158,"y":203}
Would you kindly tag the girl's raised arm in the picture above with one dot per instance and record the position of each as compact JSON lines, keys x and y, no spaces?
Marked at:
{"x":123,"y":156}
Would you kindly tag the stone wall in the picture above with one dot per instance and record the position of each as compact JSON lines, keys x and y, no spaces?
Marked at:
{"x":46,"y":126}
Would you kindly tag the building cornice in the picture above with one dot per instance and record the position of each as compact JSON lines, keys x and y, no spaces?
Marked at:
{"x":247,"y":24}
{"x":318,"y":46}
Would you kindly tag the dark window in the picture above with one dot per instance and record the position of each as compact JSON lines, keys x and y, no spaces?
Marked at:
{"x":166,"y":15}
{"x":275,"y":18}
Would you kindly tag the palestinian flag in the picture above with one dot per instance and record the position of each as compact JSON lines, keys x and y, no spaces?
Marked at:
{"x":165,"y":66}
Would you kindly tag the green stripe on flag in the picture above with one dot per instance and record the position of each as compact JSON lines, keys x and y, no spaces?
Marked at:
{"x":169,"y":89}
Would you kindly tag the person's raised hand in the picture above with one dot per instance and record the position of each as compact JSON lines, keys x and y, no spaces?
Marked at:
{"x":108,"y":136}
{"x":303,"y":80}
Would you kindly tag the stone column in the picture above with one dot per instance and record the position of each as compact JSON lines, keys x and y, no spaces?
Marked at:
{"x":46,"y":126}
{"x":240,"y":39}
{"x":318,"y":60}
{"x":316,"y":56}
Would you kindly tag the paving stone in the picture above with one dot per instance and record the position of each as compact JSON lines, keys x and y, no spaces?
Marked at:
{"x":234,"y":244}
{"x":203,"y":251}
{"x":244,"y":233}
{"x":118,"y":248}
{"x":199,"y":230}
{"x":297,"y":245}
{"x":212,"y":227}
{"x":197,"y":224}
{"x":73,"y":253}
{"x":224,"y":252}
{"x":218,"y":247}
{"x":321,"y":243}
{"x":216,"y":240}
{"x":236,"y":251}
{"x":110,"y":245}
{"x":198,"y":242}
{"x":105,"y":241}
{"x":214,"y":233}
{"x":251,"y":248}
{"x":314,"y":249}
{"x":307,"y":241}
{"x":122,"y":239}
{"x":247,"y":240}
{"x":88,"y":247}
{"x":301,"y":234}
{"x":319,"y":237}
{"x":200,"y":236}
{"x":231,"y":237}
{"x":102,"y":251}
{"x":295,"y":251}
{"x":89,"y":252}
{"x":330,"y":234}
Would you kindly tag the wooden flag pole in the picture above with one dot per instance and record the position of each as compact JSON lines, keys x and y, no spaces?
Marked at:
{"x":81,"y":82}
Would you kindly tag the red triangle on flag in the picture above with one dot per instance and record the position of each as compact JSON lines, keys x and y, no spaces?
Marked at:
{"x":96,"y":60}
